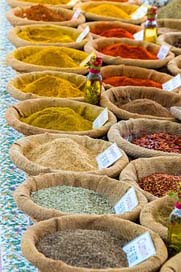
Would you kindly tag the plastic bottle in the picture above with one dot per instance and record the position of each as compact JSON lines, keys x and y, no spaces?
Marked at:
{"x":150,"y":26}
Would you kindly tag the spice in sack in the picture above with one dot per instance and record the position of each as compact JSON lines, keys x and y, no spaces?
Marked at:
{"x":171,"y":10}
{"x":116,"y":32}
{"x":177,"y":43}
{"x":162,"y":214}
{"x":84,"y":248}
{"x":50,"y":2}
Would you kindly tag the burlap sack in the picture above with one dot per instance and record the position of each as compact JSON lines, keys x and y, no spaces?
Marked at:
{"x":19,"y":3}
{"x":95,"y":17}
{"x":172,"y":265}
{"x":118,"y":96}
{"x":150,"y":214}
{"x":97,"y":44}
{"x":169,"y":39}
{"x":134,"y":72}
{"x":19,"y":42}
{"x":20,"y":149}
{"x":121,"y":228}
{"x":174,"y":66}
{"x":140,"y":168}
{"x":105,"y":25}
{"x":15,"y":85}
{"x":28,"y":107}
{"x":15,"y":60}
{"x":103,"y":185}
{"x":18,"y":21}
{"x":123,"y":131}
{"x":176,"y":112}
{"x":168,"y":25}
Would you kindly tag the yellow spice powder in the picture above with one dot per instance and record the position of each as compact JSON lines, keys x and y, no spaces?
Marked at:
{"x":50,"y":2}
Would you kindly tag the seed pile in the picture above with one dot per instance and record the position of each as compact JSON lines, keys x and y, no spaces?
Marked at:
{"x":160,"y":141}
{"x":177,"y":43}
{"x":159,"y":184}
{"x":65,"y":154}
{"x":171,"y":10}
{"x":84,"y":248}
{"x":70,"y":199}
{"x":162,"y":214}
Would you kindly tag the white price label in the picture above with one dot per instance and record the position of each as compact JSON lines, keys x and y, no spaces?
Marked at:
{"x":109,"y":156}
{"x":127,"y":203}
{"x":101,"y":119}
{"x":140,"y":12}
{"x":163,"y":52}
{"x":72,"y":2}
{"x":76,"y":14}
{"x":172,"y":83}
{"x":139,"y":249}
{"x":83,"y":34}
{"x":139,"y":36}
{"x":87,"y":59}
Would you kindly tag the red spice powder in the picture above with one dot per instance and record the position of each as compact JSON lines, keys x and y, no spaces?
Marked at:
{"x":114,"y":32}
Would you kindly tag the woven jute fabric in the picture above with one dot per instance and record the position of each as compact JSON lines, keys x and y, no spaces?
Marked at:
{"x":19,"y":42}
{"x":30,"y":106}
{"x":123,"y":132}
{"x":149,"y":215}
{"x":14,"y":86}
{"x":172,"y":265}
{"x":103,"y":185}
{"x":16,"y":57}
{"x":95,"y":17}
{"x":97,"y":44}
{"x":136,"y":170}
{"x":168,"y":25}
{"x":105,"y":25}
{"x":18,"y":21}
{"x":19,"y":3}
{"x":115,"y":97}
{"x":20,"y":149}
{"x":176,"y":112}
{"x":174,"y":66}
{"x":123,"y":229}
{"x":169,"y":39}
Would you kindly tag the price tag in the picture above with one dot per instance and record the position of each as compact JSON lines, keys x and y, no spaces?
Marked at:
{"x":163,"y":52}
{"x":72,"y":2}
{"x":139,"y":36}
{"x":109,"y":156}
{"x":172,"y":83}
{"x":76,"y":14}
{"x":101,"y":119}
{"x":83,"y":34}
{"x":87,"y":59}
{"x":139,"y":249}
{"x":127,"y":203}
{"x":140,"y":12}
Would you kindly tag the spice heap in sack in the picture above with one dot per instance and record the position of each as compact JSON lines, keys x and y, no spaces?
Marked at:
{"x":159,"y":141}
{"x":42,"y":13}
{"x":159,"y":184}
{"x":171,"y":10}
{"x":84,"y":248}
{"x":117,"y":32}
{"x":177,"y":43}
{"x":128,"y":51}
{"x":69,"y":199}
{"x":50,"y":2}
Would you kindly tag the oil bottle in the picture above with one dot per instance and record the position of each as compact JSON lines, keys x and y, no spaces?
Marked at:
{"x":174,"y":226}
{"x":93,"y":86}
{"x":150,"y":26}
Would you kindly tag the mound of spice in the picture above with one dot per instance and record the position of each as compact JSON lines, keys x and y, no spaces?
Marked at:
{"x":128,"y":51}
{"x":65,"y":154}
{"x":145,"y":106}
{"x":70,"y":199}
{"x":48,"y":34}
{"x":114,"y":32}
{"x":42,"y":13}
{"x":163,"y":213}
{"x":171,"y":10}
{"x":50,"y":85}
{"x":160,"y":141}
{"x":177,"y":43}
{"x":58,"y":118}
{"x":50,"y":2}
{"x":159,"y":184}
{"x":130,"y":81}
{"x":84,"y":248}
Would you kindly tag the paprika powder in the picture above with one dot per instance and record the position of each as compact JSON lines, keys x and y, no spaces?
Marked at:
{"x":114,"y":32}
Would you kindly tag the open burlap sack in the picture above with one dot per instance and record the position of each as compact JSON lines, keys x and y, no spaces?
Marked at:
{"x":169,"y":39}
{"x":176,"y":112}
{"x":123,"y":229}
{"x":123,"y":132}
{"x":19,"y":3}
{"x":18,"y":21}
{"x":172,"y":265}
{"x":174,"y":66}
{"x":105,"y":25}
{"x":16,"y":57}
{"x":16,"y":84}
{"x":19,"y":42}
{"x":136,"y":170}
{"x":116,"y":97}
{"x":28,"y":107}
{"x":168,"y":25}
{"x":151,"y":213}
{"x":90,"y":16}
{"x":98,"y":44}
{"x":19,"y":153}
{"x":103,"y":185}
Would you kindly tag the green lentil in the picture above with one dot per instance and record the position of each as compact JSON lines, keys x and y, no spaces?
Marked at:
{"x":70,"y":199}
